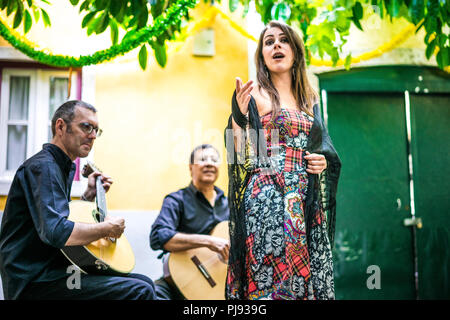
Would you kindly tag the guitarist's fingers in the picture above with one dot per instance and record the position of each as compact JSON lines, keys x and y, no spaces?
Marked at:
{"x":107,"y":182}
{"x":107,"y":185}
{"x":95,"y":174}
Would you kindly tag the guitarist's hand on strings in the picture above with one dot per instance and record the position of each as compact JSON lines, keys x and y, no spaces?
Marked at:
{"x":91,"y":191}
{"x":221,"y":246}
{"x":116,"y":226}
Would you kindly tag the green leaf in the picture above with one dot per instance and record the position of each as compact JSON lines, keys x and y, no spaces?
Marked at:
{"x":431,"y":25}
{"x":443,"y":58}
{"x":417,"y":10}
{"x":87,"y":18}
{"x":394,"y":8}
{"x":358,"y":11}
{"x":143,"y":57}
{"x":114,"y":32}
{"x":74,"y":2}
{"x":28,"y":22}
{"x":160,"y":54}
{"x":85,"y":5}
{"x":442,"y":39}
{"x":92,"y":25}
{"x":100,"y":5}
{"x":381,"y":8}
{"x":233,"y":5}
{"x":135,"y":8}
{"x":128,"y":35}
{"x":157,"y":8}
{"x":114,"y":7}
{"x":30,"y":3}
{"x":46,"y":18}
{"x":12,"y":7}
{"x":342,"y":22}
{"x":3,"y":4}
{"x":102,"y":23}
{"x":445,"y":14}
{"x":439,"y":60}
{"x":280,"y":11}
{"x":143,"y":18}
{"x":36,"y":14}
{"x":430,"y":48}
{"x":17,"y":18}
{"x":120,"y":16}
{"x":348,"y":61}
{"x":357,"y":24}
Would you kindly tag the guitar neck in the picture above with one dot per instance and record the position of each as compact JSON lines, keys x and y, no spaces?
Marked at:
{"x":101,"y":198}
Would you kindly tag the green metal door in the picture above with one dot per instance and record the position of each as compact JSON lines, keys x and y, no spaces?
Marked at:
{"x":373,"y":199}
{"x":377,"y":117}
{"x":430,"y":117}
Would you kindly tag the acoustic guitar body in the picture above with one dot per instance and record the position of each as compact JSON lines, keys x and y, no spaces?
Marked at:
{"x":199,"y":273}
{"x":102,"y":256}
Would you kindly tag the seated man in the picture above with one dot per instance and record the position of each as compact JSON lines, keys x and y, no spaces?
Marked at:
{"x":35,"y":225}
{"x":189,"y":215}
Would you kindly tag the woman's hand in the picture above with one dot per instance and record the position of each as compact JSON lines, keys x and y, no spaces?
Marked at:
{"x":316,"y":163}
{"x":243,"y":94}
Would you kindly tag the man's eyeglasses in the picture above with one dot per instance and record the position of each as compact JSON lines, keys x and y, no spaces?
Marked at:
{"x":88,"y":128}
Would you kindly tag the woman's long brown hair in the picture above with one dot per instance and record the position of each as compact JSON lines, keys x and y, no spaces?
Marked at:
{"x":304,"y":94}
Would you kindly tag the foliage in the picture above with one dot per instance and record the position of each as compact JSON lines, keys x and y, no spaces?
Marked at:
{"x":133,"y":16}
{"x":325,"y":24}
{"x":134,"y":38}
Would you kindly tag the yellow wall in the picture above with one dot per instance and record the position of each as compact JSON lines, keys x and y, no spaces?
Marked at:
{"x":152,"y":119}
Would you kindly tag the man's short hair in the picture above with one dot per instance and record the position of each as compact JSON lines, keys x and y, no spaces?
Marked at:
{"x":67,"y":112}
{"x":201,"y":147}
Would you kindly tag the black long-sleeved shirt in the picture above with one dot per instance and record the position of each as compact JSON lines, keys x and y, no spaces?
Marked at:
{"x":34,"y":224}
{"x":188,"y":211}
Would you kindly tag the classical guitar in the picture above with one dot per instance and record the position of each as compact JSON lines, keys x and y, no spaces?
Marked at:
{"x":199,"y":273}
{"x":107,"y":255}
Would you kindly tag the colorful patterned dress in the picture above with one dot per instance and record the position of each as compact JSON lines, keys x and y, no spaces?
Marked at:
{"x":279,"y":265}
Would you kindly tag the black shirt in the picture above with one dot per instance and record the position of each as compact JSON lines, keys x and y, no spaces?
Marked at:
{"x":188,"y":211}
{"x":34,"y":224}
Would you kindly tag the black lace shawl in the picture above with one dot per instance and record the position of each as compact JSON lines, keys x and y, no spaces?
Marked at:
{"x":321,"y":188}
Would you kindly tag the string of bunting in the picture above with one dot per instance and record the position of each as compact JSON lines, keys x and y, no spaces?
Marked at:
{"x":172,"y":16}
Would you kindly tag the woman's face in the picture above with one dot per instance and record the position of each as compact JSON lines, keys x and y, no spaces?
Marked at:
{"x":276,"y":50}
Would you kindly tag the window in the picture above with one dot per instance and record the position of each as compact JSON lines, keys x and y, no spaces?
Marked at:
{"x":28,"y":100}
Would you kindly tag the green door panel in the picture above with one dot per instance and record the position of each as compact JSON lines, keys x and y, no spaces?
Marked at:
{"x":430,"y":121}
{"x":369,"y":133}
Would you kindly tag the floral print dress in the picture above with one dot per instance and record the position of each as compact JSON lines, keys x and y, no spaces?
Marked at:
{"x":279,"y":264}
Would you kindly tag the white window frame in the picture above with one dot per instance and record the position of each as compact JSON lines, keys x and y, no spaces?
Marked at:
{"x":38,"y":112}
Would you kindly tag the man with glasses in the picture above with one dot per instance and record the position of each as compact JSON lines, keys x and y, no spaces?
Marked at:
{"x":35,"y":226}
{"x":188,"y":216}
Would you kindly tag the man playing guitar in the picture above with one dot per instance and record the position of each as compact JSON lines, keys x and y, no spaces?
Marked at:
{"x":35,"y":223}
{"x":188,"y":216}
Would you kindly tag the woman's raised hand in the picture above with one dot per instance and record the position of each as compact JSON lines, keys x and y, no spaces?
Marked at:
{"x":243,"y":94}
